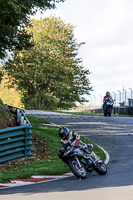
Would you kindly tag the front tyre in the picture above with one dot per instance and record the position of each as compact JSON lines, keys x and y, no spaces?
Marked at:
{"x":110,"y":111}
{"x":105,"y":113}
{"x":78,"y":171}
{"x":101,"y":168}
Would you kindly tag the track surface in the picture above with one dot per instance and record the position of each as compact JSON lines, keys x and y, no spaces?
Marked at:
{"x":115,"y":135}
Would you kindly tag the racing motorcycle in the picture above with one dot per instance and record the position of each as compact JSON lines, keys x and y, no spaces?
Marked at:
{"x":108,"y":106}
{"x":81,"y":161}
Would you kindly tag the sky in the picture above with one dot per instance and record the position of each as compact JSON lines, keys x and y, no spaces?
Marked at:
{"x":107,"y":28}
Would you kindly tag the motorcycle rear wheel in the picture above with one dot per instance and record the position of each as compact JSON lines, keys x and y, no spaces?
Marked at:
{"x":76,"y":170}
{"x":101,"y":168}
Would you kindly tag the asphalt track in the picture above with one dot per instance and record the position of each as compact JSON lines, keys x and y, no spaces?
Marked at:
{"x":115,"y":135}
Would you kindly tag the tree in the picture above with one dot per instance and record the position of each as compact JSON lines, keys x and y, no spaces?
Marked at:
{"x":14,"y":17}
{"x":8,"y":93}
{"x":50,"y":75}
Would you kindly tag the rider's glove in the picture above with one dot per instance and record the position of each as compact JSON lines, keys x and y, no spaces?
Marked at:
{"x":84,"y":146}
{"x":90,"y":146}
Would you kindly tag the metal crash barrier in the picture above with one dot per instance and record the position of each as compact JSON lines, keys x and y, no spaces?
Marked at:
{"x":15,"y":142}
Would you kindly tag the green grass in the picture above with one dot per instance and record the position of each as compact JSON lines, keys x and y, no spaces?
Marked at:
{"x":50,"y":136}
{"x":43,"y":167}
{"x":50,"y":166}
{"x":92,"y":114}
{"x":96,"y":149}
{"x":33,"y":119}
{"x":81,"y":113}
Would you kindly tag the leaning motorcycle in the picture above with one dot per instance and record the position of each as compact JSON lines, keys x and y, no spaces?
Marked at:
{"x":108,"y":106}
{"x":81,"y":161}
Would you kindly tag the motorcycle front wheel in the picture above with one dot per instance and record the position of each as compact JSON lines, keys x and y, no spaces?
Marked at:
{"x":110,"y":111}
{"x":101,"y":168}
{"x":78,"y":171}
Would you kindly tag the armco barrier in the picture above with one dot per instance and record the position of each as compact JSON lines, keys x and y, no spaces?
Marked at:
{"x":15,"y":142}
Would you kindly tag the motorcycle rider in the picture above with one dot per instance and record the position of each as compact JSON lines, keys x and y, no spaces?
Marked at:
{"x":71,"y":137}
{"x":107,"y":96}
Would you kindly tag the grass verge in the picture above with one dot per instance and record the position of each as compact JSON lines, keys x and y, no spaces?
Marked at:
{"x":90,"y":114}
{"x":51,"y":165}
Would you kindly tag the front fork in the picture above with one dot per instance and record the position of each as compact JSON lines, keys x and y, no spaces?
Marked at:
{"x":79,"y":164}
{"x":94,"y":157}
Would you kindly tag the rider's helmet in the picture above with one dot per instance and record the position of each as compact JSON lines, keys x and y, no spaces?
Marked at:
{"x":107,"y":94}
{"x":64,"y":133}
